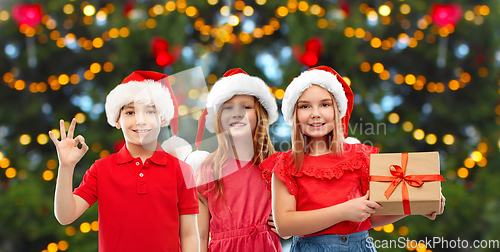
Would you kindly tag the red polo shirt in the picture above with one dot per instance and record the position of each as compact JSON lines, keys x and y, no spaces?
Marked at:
{"x":139,"y":204}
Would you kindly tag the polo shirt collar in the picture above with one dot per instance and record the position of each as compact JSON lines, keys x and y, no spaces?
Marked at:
{"x":159,"y":156}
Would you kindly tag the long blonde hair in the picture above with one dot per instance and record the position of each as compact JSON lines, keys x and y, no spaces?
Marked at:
{"x":215,"y":162}
{"x":300,"y":141}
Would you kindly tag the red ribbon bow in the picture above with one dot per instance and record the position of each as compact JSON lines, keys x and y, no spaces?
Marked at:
{"x":399,"y":175}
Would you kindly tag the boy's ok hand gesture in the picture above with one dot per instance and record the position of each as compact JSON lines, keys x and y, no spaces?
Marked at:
{"x":67,"y":149}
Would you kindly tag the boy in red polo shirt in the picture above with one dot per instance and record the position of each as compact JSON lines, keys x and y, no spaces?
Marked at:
{"x":147,"y":198}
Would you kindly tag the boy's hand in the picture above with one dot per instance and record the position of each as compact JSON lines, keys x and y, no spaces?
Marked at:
{"x":67,"y":149}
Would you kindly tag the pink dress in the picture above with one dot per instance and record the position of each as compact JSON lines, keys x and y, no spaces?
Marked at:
{"x":242,"y":226}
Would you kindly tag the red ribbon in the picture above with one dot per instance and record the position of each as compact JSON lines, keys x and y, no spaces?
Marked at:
{"x":399,"y":175}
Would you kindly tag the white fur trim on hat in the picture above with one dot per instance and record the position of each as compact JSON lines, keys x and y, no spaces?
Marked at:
{"x":352,"y":140}
{"x":147,"y":92}
{"x":239,"y":84}
{"x":177,"y":147}
{"x":195,"y":158}
{"x":299,"y":84}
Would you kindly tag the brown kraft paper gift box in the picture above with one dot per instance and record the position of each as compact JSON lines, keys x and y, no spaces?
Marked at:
{"x":422,"y":180}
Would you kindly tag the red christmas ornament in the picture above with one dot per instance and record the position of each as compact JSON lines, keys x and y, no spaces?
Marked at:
{"x":159,"y":45}
{"x":309,"y":59}
{"x":345,"y":7}
{"x":129,"y":6}
{"x":447,"y":14}
{"x":27,"y":14}
{"x":314,"y":45}
{"x":164,"y":59}
{"x":314,"y":48}
{"x":160,"y":49}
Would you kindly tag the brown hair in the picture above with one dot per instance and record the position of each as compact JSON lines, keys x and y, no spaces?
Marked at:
{"x":300,"y":142}
{"x":214,"y":163}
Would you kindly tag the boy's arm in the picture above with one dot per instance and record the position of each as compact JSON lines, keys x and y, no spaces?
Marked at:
{"x":189,"y":233}
{"x":68,"y":207}
{"x":203,"y":223}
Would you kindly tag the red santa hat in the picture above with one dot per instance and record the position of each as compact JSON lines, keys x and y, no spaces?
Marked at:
{"x":147,"y":87}
{"x":233,"y":82}
{"x":144,"y":87}
{"x":330,"y":80}
{"x":238,"y":82}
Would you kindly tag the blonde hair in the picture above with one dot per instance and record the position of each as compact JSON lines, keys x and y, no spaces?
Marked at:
{"x":215,"y":162}
{"x":300,"y":142}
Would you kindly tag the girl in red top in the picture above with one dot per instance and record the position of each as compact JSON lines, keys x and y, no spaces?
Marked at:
{"x":235,"y":203}
{"x":320,"y":186}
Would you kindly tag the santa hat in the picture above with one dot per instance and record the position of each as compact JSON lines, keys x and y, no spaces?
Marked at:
{"x":330,"y":80}
{"x":238,"y":82}
{"x":233,"y":82}
{"x":150,"y":88}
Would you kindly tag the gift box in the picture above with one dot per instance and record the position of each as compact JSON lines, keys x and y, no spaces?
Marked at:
{"x":406,"y":183}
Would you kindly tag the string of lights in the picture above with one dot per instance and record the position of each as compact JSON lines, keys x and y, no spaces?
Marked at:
{"x":224,"y":34}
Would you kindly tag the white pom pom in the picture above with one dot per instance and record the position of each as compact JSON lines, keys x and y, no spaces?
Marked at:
{"x":352,"y":140}
{"x":194,"y":159}
{"x":177,"y":147}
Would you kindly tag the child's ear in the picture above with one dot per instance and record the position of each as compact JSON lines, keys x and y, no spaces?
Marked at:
{"x":118,"y":126}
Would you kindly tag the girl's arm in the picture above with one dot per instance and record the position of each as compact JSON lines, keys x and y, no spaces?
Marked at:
{"x":290,"y":222}
{"x":203,"y":223}
{"x":270,"y":222}
{"x":189,"y":233}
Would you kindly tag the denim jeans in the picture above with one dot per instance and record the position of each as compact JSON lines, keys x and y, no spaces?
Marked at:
{"x":322,"y":243}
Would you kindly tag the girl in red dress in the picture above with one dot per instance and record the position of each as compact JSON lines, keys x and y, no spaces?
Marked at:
{"x":235,"y":203}
{"x":320,"y":186}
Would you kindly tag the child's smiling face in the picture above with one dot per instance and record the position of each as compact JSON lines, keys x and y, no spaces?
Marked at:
{"x":315,"y":112}
{"x":139,"y":123}
{"x":238,"y":116}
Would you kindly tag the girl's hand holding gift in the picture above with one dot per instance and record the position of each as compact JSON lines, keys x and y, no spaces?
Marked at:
{"x":360,"y":209}
{"x":432,"y":216}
